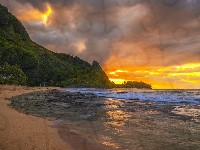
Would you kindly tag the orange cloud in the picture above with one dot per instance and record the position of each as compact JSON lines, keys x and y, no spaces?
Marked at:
{"x":47,"y":14}
{"x":31,"y":14}
{"x":139,"y":55}
{"x":172,"y":77}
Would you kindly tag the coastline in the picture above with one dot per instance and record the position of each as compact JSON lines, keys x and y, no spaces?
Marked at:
{"x":86,"y":121}
{"x":23,"y":132}
{"x":54,"y":104}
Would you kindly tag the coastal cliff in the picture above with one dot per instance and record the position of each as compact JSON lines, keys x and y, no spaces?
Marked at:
{"x":40,"y":65}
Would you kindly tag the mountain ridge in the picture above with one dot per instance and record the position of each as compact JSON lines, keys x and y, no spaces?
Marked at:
{"x":41,"y":65}
{"x":24,"y":62}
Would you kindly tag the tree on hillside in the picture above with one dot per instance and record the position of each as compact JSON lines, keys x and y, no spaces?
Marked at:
{"x":12,"y":75}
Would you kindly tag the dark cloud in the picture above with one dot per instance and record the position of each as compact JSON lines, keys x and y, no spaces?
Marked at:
{"x":95,"y":49}
{"x":38,"y":4}
{"x":41,"y":4}
{"x":91,"y":29}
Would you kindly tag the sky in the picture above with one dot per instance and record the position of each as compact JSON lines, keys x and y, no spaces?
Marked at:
{"x":154,"y":41}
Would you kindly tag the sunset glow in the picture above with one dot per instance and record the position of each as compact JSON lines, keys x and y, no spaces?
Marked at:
{"x":107,"y":74}
{"x":161,"y":52}
{"x":46,"y":15}
{"x":162,"y":77}
{"x":117,"y":81}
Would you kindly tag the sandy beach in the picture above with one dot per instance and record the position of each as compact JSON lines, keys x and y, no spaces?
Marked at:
{"x":19,"y":131}
{"x":84,"y":121}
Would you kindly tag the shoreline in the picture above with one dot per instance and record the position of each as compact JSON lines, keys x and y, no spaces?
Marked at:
{"x":23,"y":132}
{"x":63,"y":108}
{"x":85,"y":121}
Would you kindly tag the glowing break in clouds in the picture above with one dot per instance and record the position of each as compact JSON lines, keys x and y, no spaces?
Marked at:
{"x":184,"y":76}
{"x":154,"y":41}
{"x":46,"y":14}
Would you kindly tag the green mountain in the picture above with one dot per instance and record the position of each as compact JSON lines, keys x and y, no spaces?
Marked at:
{"x":23,"y":61}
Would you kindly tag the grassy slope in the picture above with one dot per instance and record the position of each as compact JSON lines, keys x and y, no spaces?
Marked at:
{"x":40,"y":64}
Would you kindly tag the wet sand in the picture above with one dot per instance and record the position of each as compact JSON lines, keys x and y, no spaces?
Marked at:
{"x":19,"y":131}
{"x":85,"y":121}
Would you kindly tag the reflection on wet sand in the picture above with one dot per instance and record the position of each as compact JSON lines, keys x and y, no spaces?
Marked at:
{"x":146,"y":125}
{"x":137,"y":125}
{"x":116,"y":118}
{"x":187,"y":111}
{"x":98,"y":123}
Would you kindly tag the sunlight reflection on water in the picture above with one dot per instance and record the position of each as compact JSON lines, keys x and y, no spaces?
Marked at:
{"x":134,"y":124}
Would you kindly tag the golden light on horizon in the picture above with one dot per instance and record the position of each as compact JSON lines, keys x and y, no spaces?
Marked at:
{"x":117,"y":81}
{"x":115,"y":74}
{"x":117,"y":71}
{"x":171,"y":77}
{"x":122,"y":71}
{"x":188,"y":65}
{"x":46,"y":14}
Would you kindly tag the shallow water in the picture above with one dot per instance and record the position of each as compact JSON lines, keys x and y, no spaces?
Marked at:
{"x":158,"y":120}
{"x":125,"y":119}
{"x":175,"y":96}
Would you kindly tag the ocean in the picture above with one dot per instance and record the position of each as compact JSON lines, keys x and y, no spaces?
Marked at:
{"x":167,"y":96}
{"x":135,"y":119}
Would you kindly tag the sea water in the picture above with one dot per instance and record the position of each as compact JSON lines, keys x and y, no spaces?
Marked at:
{"x":176,"y":96}
{"x":140,"y":119}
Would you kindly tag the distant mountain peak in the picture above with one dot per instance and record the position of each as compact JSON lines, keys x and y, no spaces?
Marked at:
{"x":96,"y":65}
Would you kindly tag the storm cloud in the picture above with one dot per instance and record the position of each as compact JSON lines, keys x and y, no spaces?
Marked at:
{"x":117,"y":33}
{"x":167,"y":25}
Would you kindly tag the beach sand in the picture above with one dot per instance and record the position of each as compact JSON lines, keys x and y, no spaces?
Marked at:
{"x":134,"y":125}
{"x":19,"y":131}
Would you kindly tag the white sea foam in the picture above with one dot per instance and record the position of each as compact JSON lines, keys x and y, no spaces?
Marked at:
{"x":176,"y":96}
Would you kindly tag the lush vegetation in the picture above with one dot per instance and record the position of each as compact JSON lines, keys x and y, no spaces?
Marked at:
{"x":41,"y":66}
{"x":133,"y":84}
{"x":25,"y":62}
{"x":12,"y":75}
